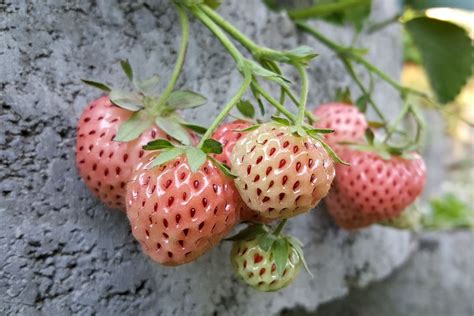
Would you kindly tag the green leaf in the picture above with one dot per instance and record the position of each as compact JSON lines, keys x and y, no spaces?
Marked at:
{"x":449,"y":212}
{"x":265,"y":241}
{"x":170,"y":126}
{"x":158,"y":144}
{"x":133,"y":127}
{"x":297,"y":245}
{"x":426,"y":4}
{"x":166,"y":156}
{"x":195,"y":128}
{"x":330,"y":151}
{"x":248,"y":129}
{"x":127,"y":69}
{"x":301,"y":54}
{"x":196,"y":158}
{"x":185,"y":99}
{"x":249,"y":233}
{"x":447,"y":54}
{"x":280,"y":250}
{"x":369,"y":135}
{"x":214,"y":4}
{"x":281,"y":120}
{"x":224,"y":168}
{"x":211,"y":146}
{"x":315,"y":131}
{"x":361,"y":103}
{"x":126,"y":100}
{"x":149,"y":85}
{"x":98,"y":85}
{"x":259,"y":71}
{"x":246,"y":108}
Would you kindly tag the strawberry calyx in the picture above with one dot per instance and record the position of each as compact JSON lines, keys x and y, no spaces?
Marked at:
{"x":276,"y":244}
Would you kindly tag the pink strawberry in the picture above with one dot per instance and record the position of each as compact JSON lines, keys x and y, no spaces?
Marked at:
{"x":228,"y":134}
{"x":373,"y":189}
{"x":348,"y":123}
{"x":280,"y":175}
{"x":178,"y":215}
{"x":104,"y":164}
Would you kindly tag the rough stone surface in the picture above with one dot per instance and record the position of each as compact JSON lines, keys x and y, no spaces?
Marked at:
{"x":62,"y":251}
{"x":437,"y":281}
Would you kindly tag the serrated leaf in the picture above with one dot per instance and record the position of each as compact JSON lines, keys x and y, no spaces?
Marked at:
{"x":127,"y":69}
{"x":165,"y":156}
{"x":126,"y":100}
{"x":158,"y":144}
{"x":196,"y":158}
{"x":281,"y":120}
{"x":133,"y":127}
{"x":265,"y":241}
{"x":185,"y":99}
{"x":211,"y":146}
{"x":249,"y":233}
{"x":447,"y":54}
{"x":280,"y":251}
{"x":148,"y":85}
{"x":171,"y":127}
{"x":246,"y":108}
{"x":98,"y":85}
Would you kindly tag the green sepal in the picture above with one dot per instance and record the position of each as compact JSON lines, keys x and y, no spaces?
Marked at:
{"x":259,"y":71}
{"x":223,"y":167}
{"x":127,"y":69}
{"x":362,"y":102}
{"x":280,"y":251}
{"x":196,"y":158}
{"x":330,"y":151}
{"x":158,"y":144}
{"x":148,"y":85}
{"x":185,"y":99}
{"x":298,"y":246}
{"x":165,"y":156}
{"x":281,"y":120}
{"x":211,"y":146}
{"x":265,"y":241}
{"x":248,"y":129}
{"x":194,"y":127}
{"x":98,"y":85}
{"x":126,"y":100}
{"x":172,"y":127}
{"x":133,"y":127}
{"x":246,"y":108}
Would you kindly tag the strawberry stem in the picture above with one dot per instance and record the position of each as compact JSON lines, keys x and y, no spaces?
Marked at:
{"x":279,"y":228}
{"x":183,"y":19}
{"x":304,"y":94}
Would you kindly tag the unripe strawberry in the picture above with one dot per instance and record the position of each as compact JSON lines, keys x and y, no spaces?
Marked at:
{"x":280,"y":175}
{"x":258,"y":268}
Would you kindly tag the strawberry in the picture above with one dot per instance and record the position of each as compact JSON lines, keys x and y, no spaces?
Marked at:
{"x":228,"y":134}
{"x":258,"y":267}
{"x":104,"y":164}
{"x":177,"y":214}
{"x":112,"y":130}
{"x":373,"y":189}
{"x":348,"y":123}
{"x":280,"y":175}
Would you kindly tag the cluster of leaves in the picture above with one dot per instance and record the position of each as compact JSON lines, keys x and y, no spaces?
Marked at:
{"x":147,"y":109}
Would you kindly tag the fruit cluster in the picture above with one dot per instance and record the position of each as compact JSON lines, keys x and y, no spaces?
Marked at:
{"x":183,"y":194}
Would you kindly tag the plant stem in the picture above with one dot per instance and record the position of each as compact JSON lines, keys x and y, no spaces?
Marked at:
{"x":304,"y":95}
{"x":225,"y":111}
{"x":274,"y":102}
{"x":279,"y":228}
{"x":214,"y":28}
{"x":320,"y":10}
{"x":346,"y":53}
{"x":183,"y":19}
{"x":396,"y":122}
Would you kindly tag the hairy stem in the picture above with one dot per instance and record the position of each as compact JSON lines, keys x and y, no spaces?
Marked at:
{"x":279,"y":228}
{"x":183,"y":19}
{"x":304,"y":95}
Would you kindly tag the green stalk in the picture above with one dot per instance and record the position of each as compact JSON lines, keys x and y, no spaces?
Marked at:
{"x":214,"y":28}
{"x":320,"y":10}
{"x":183,"y":19}
{"x":344,"y":52}
{"x":279,"y":228}
{"x":225,"y":111}
{"x":274,"y":102}
{"x":304,"y":95}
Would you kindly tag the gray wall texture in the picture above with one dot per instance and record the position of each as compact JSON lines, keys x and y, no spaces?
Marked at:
{"x":61,"y":251}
